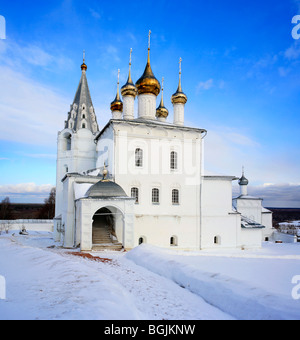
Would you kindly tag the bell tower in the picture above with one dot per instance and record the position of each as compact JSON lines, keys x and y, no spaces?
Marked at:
{"x":76,"y":149}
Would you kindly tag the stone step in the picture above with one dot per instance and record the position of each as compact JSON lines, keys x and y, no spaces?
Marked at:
{"x":108,"y":246}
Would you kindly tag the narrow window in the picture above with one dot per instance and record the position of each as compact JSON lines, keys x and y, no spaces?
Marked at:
{"x":175,"y":196}
{"x":135,"y":194}
{"x":83,"y":116}
{"x":217,"y":240}
{"x":155,"y":195}
{"x":141,"y":240}
{"x":139,"y":157}
{"x":173,"y":241}
{"x":69,"y":141}
{"x":83,"y":125}
{"x":173,"y":160}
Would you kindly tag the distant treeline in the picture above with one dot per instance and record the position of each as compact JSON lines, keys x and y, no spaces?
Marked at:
{"x":285,"y":215}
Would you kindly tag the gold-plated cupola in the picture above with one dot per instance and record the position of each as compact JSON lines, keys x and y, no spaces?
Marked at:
{"x":179,"y":97}
{"x":162,"y":111}
{"x":117,"y":104}
{"x":129,"y":88}
{"x":148,"y":84}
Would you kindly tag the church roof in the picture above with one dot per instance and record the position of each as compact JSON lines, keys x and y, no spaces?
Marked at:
{"x":82,"y":113}
{"x":106,"y":188}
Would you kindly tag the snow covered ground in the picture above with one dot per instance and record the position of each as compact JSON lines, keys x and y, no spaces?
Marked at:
{"x":146,"y":283}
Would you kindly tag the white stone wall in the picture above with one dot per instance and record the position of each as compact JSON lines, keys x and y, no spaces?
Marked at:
{"x":220,"y":225}
{"x":157,"y":223}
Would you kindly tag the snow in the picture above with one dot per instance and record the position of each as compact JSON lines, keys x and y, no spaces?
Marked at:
{"x":44,"y":281}
{"x":80,"y":189}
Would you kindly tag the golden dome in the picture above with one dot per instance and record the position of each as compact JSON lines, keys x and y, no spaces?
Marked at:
{"x":117,"y":104}
{"x":148,"y":83}
{"x":129,"y":88}
{"x":83,"y":67}
{"x":179,"y":97}
{"x":162,"y":111}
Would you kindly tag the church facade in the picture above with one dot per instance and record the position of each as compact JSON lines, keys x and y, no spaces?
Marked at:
{"x":141,"y":179}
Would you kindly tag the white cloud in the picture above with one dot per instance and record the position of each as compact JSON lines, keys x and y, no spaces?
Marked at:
{"x":29,"y":111}
{"x":205,"y":85}
{"x":293,"y":52}
{"x":25,"y":188}
{"x":25,"y":192}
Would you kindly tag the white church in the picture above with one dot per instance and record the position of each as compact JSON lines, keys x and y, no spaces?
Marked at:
{"x":141,"y":179}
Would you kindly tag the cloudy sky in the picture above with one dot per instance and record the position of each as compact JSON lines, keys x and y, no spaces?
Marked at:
{"x":240,"y":72}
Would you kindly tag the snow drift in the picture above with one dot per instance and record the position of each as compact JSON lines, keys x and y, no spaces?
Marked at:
{"x":236,"y":297}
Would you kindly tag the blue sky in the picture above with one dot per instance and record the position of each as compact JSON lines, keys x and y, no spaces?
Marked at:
{"x":240,"y":71}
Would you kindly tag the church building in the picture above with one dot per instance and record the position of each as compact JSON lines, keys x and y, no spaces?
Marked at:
{"x":141,"y":179}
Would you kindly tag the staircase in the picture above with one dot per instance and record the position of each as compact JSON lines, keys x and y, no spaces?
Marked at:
{"x":102,"y":240}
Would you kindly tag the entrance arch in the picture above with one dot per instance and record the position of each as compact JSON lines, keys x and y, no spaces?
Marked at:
{"x":107,"y":227}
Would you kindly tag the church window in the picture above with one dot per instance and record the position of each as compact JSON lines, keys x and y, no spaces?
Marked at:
{"x":83,"y":116}
{"x":139,"y":157}
{"x":155,"y":195}
{"x":67,"y":143}
{"x":135,"y":194}
{"x":175,"y":196}
{"x":83,"y":125}
{"x":217,"y":240}
{"x":173,"y":241}
{"x":173,"y":160}
{"x":142,"y":240}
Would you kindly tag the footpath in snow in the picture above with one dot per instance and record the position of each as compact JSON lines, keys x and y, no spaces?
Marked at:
{"x":246,"y":286}
{"x":146,"y":283}
{"x":53,"y":284}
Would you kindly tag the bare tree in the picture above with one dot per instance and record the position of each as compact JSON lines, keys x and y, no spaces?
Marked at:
{"x":6,"y":209}
{"x":48,"y":210}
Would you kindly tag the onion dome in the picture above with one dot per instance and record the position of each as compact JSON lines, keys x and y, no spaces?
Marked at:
{"x":129,"y":88}
{"x":179,"y":97}
{"x":117,"y":104}
{"x":83,"y":67}
{"x":243,"y":180}
{"x":148,"y":84}
{"x":162,"y":111}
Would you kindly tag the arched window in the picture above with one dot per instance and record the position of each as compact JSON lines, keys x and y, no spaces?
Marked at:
{"x":67,"y":142}
{"x":155,"y":195}
{"x":173,"y":160}
{"x":217,"y":240}
{"x":173,"y":241}
{"x":175,"y":196}
{"x":135,"y":194}
{"x":139,"y":157}
{"x":83,"y":125}
{"x":142,"y":239}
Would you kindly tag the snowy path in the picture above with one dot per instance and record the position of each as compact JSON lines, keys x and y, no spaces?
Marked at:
{"x":52,"y":284}
{"x":147,"y":283}
{"x":159,"y":298}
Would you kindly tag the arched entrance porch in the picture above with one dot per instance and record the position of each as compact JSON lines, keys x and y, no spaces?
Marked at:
{"x":107,"y":228}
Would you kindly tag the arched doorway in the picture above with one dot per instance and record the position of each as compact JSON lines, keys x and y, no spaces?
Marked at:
{"x":107,"y":228}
